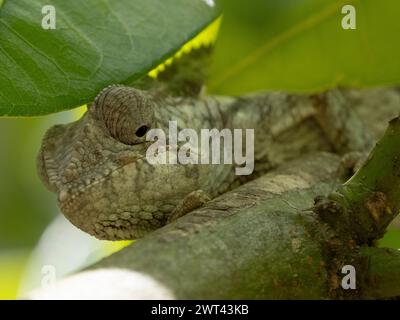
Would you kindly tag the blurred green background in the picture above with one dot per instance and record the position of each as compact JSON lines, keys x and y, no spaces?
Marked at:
{"x":295,"y":45}
{"x":26,"y":206}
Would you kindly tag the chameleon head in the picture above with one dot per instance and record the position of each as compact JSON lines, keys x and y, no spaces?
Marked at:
{"x":97,"y":167}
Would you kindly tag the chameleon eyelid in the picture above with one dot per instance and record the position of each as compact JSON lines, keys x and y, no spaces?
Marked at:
{"x":126,"y":112}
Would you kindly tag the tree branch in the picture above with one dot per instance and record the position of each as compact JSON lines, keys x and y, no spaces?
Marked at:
{"x":363,"y":207}
{"x":382,"y":273}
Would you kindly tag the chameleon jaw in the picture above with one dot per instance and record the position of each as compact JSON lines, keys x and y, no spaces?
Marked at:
{"x":118,"y":215}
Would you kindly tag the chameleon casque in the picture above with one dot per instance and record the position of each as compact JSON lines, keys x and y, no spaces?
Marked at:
{"x":106,"y":187}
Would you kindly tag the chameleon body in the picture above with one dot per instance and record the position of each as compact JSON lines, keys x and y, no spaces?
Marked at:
{"x":107,"y":188}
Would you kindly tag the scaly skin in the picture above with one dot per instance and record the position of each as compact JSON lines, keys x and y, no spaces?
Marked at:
{"x":105,"y":185}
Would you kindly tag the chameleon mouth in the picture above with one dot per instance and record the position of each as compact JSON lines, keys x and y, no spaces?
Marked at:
{"x":72,"y":192}
{"x":123,"y":161}
{"x":103,"y":231}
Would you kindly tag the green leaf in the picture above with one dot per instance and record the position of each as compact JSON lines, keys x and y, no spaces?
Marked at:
{"x":301,"y":46}
{"x":95,"y":43}
{"x":391,"y":239}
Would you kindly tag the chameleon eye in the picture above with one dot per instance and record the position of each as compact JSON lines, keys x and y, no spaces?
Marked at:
{"x":127,"y":113}
{"x":142,"y":131}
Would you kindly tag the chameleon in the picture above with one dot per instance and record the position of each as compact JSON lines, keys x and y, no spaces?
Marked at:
{"x":97,"y":165}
